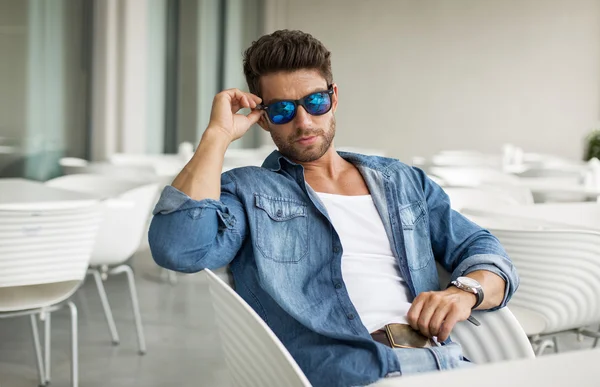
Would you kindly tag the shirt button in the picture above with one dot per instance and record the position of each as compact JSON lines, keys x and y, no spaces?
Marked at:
{"x":350,"y":316}
{"x":338,"y":285}
{"x":279,"y":213}
{"x":336,"y":249}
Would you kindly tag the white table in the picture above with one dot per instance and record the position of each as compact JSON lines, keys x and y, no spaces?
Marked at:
{"x":584,"y":215}
{"x":21,"y":193}
{"x":558,"y":186}
{"x":578,"y":368}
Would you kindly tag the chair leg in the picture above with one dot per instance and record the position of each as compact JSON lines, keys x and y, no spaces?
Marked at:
{"x":172,"y":277}
{"x":106,"y":306}
{"x":135,"y":304}
{"x":169,"y":275}
{"x":47,"y":333}
{"x":37,"y":348}
{"x":542,"y":345}
{"x":596,"y":339}
{"x":555,"y":342}
{"x":74,"y":346}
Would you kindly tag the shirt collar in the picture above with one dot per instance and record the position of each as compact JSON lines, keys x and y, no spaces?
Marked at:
{"x":276,"y":161}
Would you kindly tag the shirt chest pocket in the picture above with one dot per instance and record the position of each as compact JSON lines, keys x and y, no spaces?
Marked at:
{"x":281,"y":232}
{"x":415,"y":229}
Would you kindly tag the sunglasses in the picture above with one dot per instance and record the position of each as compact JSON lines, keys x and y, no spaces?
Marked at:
{"x":282,"y":112}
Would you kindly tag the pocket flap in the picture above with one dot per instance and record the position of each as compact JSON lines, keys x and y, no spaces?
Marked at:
{"x":280,"y":209}
{"x":411,"y":213}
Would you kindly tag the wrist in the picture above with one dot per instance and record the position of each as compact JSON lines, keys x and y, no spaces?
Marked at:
{"x":467,"y":298}
{"x":216,"y":136}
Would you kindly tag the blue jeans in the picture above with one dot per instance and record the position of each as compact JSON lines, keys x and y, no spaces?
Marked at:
{"x":416,"y":360}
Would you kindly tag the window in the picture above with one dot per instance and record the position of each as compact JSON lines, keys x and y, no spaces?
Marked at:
{"x":45,"y":74}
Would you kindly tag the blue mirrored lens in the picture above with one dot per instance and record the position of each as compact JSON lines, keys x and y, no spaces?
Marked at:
{"x":318,"y":103}
{"x":282,"y":112}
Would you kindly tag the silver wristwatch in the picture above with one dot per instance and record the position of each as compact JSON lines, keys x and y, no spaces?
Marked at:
{"x":470,"y":285}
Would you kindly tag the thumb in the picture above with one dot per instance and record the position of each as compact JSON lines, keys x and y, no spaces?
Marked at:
{"x":254,"y":116}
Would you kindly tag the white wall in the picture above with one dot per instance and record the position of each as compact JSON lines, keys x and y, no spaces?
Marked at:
{"x":417,"y":76}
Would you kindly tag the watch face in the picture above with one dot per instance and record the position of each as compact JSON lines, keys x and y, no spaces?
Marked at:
{"x":470,"y":282}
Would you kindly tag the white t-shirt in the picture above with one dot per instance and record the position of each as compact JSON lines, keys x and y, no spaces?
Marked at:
{"x":369,"y":268}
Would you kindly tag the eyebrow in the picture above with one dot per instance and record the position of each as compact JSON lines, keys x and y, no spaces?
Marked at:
{"x":316,"y":90}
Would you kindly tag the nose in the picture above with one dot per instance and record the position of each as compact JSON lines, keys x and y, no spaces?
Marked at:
{"x":302,"y":119}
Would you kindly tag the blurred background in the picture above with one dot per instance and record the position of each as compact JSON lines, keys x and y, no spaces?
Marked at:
{"x":497,"y":100}
{"x":90,"y":78}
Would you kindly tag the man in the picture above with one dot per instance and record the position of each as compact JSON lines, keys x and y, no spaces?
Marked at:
{"x":335,"y":251}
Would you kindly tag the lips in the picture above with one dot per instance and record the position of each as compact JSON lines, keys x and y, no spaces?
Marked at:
{"x":307,"y":140}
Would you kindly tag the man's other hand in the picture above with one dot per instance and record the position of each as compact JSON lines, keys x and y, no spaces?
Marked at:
{"x":224,"y":116}
{"x":436,"y":313}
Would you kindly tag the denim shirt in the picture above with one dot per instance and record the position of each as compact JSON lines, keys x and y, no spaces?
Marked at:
{"x":285,"y":255}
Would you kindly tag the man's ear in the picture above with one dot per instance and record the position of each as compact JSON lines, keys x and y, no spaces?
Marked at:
{"x":334,"y":98}
{"x":262,"y":121}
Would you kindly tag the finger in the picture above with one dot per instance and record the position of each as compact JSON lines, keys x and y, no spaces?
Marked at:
{"x":448,"y":326}
{"x":237,"y":94}
{"x":415,"y":311}
{"x":425,"y":318}
{"x":237,"y":104}
{"x":429,"y":308}
{"x":435,"y":324}
{"x":254,"y":116}
{"x":244,"y":102}
{"x":254,"y":98}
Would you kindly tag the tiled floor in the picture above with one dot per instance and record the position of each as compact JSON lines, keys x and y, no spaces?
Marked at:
{"x":183,"y":349}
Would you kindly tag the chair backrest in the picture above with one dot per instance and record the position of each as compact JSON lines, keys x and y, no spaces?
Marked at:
{"x":560,"y":215}
{"x":499,"y":337}
{"x":99,"y":185}
{"x":465,"y":159}
{"x":560,"y":277}
{"x":478,"y":198}
{"x":125,"y":224}
{"x":471,"y":177}
{"x":44,"y":247}
{"x":161,"y":164}
{"x":254,"y":355}
{"x":127,"y":210}
{"x":72,"y":166}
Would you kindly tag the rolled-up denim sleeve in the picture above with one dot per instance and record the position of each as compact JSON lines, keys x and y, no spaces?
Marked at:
{"x":462,"y":246}
{"x":189,"y":235}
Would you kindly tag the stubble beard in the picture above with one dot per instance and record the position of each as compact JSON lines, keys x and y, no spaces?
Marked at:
{"x":305,"y":154}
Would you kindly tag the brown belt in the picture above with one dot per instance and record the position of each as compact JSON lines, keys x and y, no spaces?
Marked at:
{"x":401,"y":336}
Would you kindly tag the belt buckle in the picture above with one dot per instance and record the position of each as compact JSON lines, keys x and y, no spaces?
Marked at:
{"x":404,"y":336}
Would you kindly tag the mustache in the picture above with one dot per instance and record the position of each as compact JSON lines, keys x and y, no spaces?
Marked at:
{"x":300,"y":134}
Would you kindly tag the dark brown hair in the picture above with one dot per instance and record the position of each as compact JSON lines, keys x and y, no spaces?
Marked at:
{"x":285,"y":50}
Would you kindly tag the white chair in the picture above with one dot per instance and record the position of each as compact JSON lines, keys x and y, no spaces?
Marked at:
{"x":105,"y":186}
{"x":471,"y":176}
{"x":547,"y":215}
{"x":486,"y":197}
{"x":161,"y":164}
{"x":44,"y":254}
{"x":137,"y":173}
{"x":560,"y":280}
{"x":466,"y":159}
{"x":242,"y":157}
{"x":256,"y":357}
{"x":126,"y":215}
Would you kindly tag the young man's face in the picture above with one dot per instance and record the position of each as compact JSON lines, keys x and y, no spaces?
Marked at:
{"x":306,"y":137}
